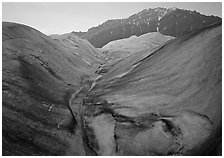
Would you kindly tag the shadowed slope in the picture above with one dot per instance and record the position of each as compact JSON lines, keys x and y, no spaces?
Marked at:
{"x":38,"y":76}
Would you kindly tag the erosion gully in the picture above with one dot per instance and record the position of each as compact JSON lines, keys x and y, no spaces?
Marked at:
{"x":75,"y":107}
{"x":98,"y":125}
{"x":96,"y":121}
{"x":91,"y":118}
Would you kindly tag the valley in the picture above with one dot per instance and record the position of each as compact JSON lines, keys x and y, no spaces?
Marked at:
{"x":155,"y":93}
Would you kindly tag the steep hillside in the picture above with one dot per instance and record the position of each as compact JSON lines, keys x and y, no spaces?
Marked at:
{"x":169,"y":103}
{"x":173,"y":22}
{"x":38,"y":78}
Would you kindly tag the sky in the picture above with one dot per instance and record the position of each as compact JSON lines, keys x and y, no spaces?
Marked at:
{"x":60,"y":18}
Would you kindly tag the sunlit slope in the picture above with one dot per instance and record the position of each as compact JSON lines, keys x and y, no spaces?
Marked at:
{"x":135,"y":44}
{"x":168,"y":104}
{"x":120,"y":49}
{"x":38,"y":76}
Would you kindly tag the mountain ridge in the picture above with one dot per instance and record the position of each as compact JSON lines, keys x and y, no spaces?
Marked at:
{"x":168,"y":21}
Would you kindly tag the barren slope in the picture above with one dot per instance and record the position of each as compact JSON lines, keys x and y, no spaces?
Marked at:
{"x":168,"y":104}
{"x":136,"y":44}
{"x":120,"y":55}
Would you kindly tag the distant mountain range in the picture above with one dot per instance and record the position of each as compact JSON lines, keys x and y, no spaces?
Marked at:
{"x":172,"y":21}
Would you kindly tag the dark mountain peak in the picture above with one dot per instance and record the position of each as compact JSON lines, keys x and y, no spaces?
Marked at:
{"x":80,"y":33}
{"x":168,"y":21}
{"x":159,"y":11}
